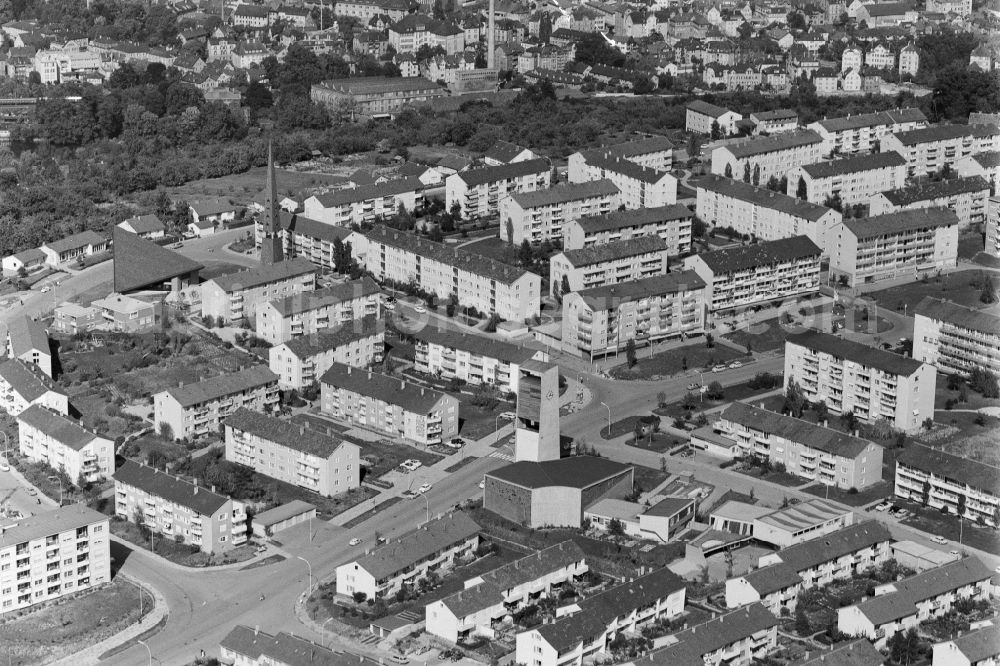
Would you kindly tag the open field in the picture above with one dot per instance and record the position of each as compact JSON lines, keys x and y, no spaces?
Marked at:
{"x":243,"y":187}
{"x":671,"y":362}
{"x":959,"y":433}
{"x":957,"y":287}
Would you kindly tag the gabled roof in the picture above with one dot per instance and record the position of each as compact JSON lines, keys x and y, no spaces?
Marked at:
{"x":962,"y":470}
{"x":693,"y":643}
{"x":397,"y":554}
{"x":605,"y":252}
{"x":573,"y":472}
{"x":474,"y":344}
{"x":812,"y":552}
{"x":27,"y":335}
{"x":854,"y":164}
{"x":959,"y":315}
{"x":214,"y":207}
{"x":48,"y":523}
{"x":261,"y":275}
{"x":609,"y":160}
{"x":61,"y":428}
{"x":306,"y":226}
{"x":707,"y":109}
{"x":76,"y":241}
{"x":307,"y":346}
{"x":199,"y":499}
{"x":928,"y":191}
{"x":761,"y":196}
{"x":492,"y":174}
{"x":338,"y":293}
{"x":350,"y":195}
{"x":217,"y":387}
{"x":410,"y":397}
{"x":144,"y":223}
{"x":944,"y":133}
{"x":979,"y":645}
{"x":774,"y":143}
{"x":592,"y":224}
{"x":29,"y":382}
{"x":564,"y":193}
{"x":740,"y":258}
{"x":903,"y":220}
{"x":139,"y":262}
{"x":855,"y":351}
{"x":504,"y":151}
{"x":808,"y":434}
{"x":285,"y":433}
{"x":611,"y":296}
{"x":888,"y":118}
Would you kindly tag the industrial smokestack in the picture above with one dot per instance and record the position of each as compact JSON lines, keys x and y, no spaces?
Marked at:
{"x":491,"y":37}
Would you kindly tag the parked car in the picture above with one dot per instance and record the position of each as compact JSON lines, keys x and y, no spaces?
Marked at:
{"x":46,"y":289}
{"x":411,"y":464}
{"x":735,"y":364}
{"x":939,"y":539}
{"x":718,"y":368}
{"x":694,"y":386}
{"x":482,"y":484}
{"x":456,"y":443}
{"x":508,"y":415}
{"x":355,"y":541}
{"x":424,"y":488}
{"x":419,"y":309}
{"x":882,"y":506}
{"x":380,"y":540}
{"x":4,"y":467}
{"x":409,"y":494}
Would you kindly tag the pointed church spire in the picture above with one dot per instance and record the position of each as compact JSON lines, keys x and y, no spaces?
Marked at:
{"x":271,"y":251}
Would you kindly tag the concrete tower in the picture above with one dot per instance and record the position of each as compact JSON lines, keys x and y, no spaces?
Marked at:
{"x":491,"y":38}
{"x":536,"y":433}
{"x":270,"y":243}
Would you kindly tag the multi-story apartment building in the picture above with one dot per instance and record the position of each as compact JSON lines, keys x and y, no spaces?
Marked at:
{"x":505,"y":152}
{"x":491,"y":598}
{"x":940,"y":480}
{"x":639,"y":186}
{"x":852,"y":377}
{"x":930,"y":149}
{"x":373,"y":96}
{"x":978,"y":647}
{"x":655,"y":152}
{"x":756,"y":274}
{"x":366,"y":203}
{"x":305,"y":237}
{"x":774,"y":122}
{"x":904,"y":244}
{"x":475,"y":281}
{"x":413,"y":31}
{"x":852,"y":180}
{"x":954,"y":338}
{"x":992,"y":246}
{"x":756,"y":160}
{"x":23,"y":385}
{"x":610,"y":263}
{"x":233,"y":296}
{"x":586,"y":629}
{"x":310,"y":312}
{"x":292,"y":453}
{"x":301,"y":361}
{"x":811,"y":451}
{"x":862,"y":133}
{"x":434,"y":546}
{"x":471,"y":358}
{"x":52,"y":554}
{"x":781,"y":576}
{"x":761,"y":213}
{"x":54,"y":439}
{"x":478,"y":192}
{"x":737,"y":638}
{"x":193,"y":410}
{"x":967,"y":197}
{"x":671,"y":223}
{"x":178,"y":509}
{"x":701,"y":116}
{"x":28,"y":341}
{"x":540,"y":215}
{"x":389,"y":405}
{"x":249,"y":646}
{"x":601,"y":321}
{"x":899,"y":605}
{"x":985,"y":165}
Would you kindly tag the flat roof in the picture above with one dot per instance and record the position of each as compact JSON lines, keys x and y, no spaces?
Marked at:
{"x":574,"y":472}
{"x":283,"y":512}
{"x":618,"y":509}
{"x":803,"y":515}
{"x":741,"y":511}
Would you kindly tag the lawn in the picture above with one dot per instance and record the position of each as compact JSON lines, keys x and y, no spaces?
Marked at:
{"x":933,"y":521}
{"x":63,"y":628}
{"x":973,"y":400}
{"x":969,"y":245}
{"x":770,"y":475}
{"x":478,"y":422}
{"x":957,"y":287}
{"x":183,"y":554}
{"x":959,"y":433}
{"x":461,"y":463}
{"x":245,"y":186}
{"x":371,"y":513}
{"x":762,"y":336}
{"x":647,"y":478}
{"x":873,"y":493}
{"x":494,"y":248}
{"x":678,"y":360}
{"x":741,"y":391}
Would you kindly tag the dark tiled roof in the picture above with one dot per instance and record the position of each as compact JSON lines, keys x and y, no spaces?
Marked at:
{"x":411,"y":397}
{"x":338,"y":293}
{"x":772,"y":578}
{"x":199,"y":499}
{"x":610,"y":296}
{"x":858,"y":652}
{"x":850,"y":539}
{"x":979,"y":645}
{"x":610,"y":161}
{"x":777,"y":114}
{"x":30,"y":382}
{"x":492,"y":174}
{"x":936,"y":190}
{"x":565,"y":193}
{"x":639,"y":147}
{"x":707,"y":109}
{"x":139,"y":262}
{"x":475,"y":344}
{"x":903,"y":220}
{"x":944,"y":133}
{"x":960,"y":315}
{"x":896,"y":116}
{"x":504,"y":151}
{"x":145,"y":223}
{"x":770,"y":144}
{"x":988,"y":160}
{"x":412,"y":547}
{"x":962,"y":470}
{"x":760,"y":254}
{"x":27,"y":335}
{"x":214,"y":207}
{"x":76,"y":241}
{"x":592,"y":224}
{"x":574,"y":472}
{"x":854,"y":164}
{"x":60,"y":428}
{"x":351,"y":195}
{"x":605,"y":252}
{"x":286,"y":649}
{"x":855,"y":351}
{"x":48,"y":523}
{"x":761,"y":196}
{"x":693,"y":643}
{"x":889,"y":8}
{"x":261,"y":275}
{"x":809,"y":434}
{"x":217,"y":387}
{"x":305,"y":226}
{"x":287,"y":434}
{"x":307,"y":346}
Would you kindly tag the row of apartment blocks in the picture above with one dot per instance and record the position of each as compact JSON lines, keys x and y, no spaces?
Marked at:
{"x":52,"y":554}
{"x":235,"y":296}
{"x":479,"y":192}
{"x":292,"y":453}
{"x":862,"y":133}
{"x":607,"y":264}
{"x":949,"y":482}
{"x":853,"y":179}
{"x":928,"y":150}
{"x":179,"y":509}
{"x":301,"y":361}
{"x":542,"y":214}
{"x":306,"y":313}
{"x":955,"y":338}
{"x":639,"y":186}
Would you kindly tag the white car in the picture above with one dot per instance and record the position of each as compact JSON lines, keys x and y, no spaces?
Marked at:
{"x":411,"y":464}
{"x":419,"y":309}
{"x":718,"y":368}
{"x":939,"y":539}
{"x":390,"y":305}
{"x":456,"y":443}
{"x":735,"y":364}
{"x":508,"y":415}
{"x":482,"y":484}
{"x":4,"y":467}
{"x":355,"y":541}
{"x":882,"y":507}
{"x":424,"y":488}
{"x":46,"y":289}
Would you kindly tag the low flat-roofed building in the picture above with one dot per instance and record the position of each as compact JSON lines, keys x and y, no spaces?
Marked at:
{"x":752,"y":275}
{"x":966,"y":197}
{"x":233,"y":296}
{"x":611,"y":263}
{"x":28,"y":340}
{"x":292,"y":453}
{"x":737,"y":638}
{"x":671,"y":223}
{"x":301,"y":361}
{"x":737,"y":517}
{"x":767,"y":156}
{"x":602,"y":320}
{"x":78,"y":246}
{"x":554,"y":493}
{"x":804,"y":449}
{"x":59,"y":552}
{"x":938,"y":479}
{"x":268,"y":523}
{"x":977,"y":647}
{"x":662,"y":521}
{"x":23,"y":385}
{"x":919,"y":556}
{"x":899,"y":605}
{"x":474,"y":359}
{"x":800,"y":522}
{"x":54,"y":439}
{"x":434,"y":546}
{"x":763,"y":214}
{"x":489,"y":600}
{"x":851,"y":180}
{"x":954,"y":338}
{"x":541,"y":215}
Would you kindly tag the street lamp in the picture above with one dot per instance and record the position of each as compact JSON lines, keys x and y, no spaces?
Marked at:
{"x":427,"y":508}
{"x":143,"y":644}
{"x":138,"y":587}
{"x":322,"y":628}
{"x":309,"y":589}
{"x":609,"y":418}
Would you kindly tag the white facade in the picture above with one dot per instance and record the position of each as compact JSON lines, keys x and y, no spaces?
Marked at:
{"x":364,"y":204}
{"x":940,"y":479}
{"x":611,"y":263}
{"x":639,"y":186}
{"x":929,"y":150}
{"x":473,"y":359}
{"x":757,"y":160}
{"x":954,"y":338}
{"x":671,"y":223}
{"x":478,"y":192}
{"x":852,"y":179}
{"x":540,"y":215}
{"x":55,"y":440}
{"x":862,"y":133}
